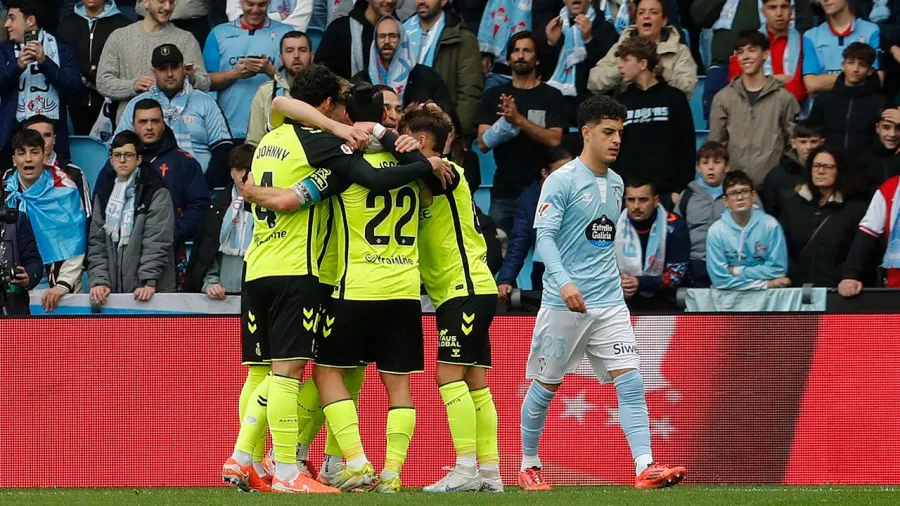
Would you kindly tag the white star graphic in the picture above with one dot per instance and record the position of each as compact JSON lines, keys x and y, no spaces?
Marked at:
{"x":576,"y":407}
{"x":612,"y":416}
{"x":662,"y":427}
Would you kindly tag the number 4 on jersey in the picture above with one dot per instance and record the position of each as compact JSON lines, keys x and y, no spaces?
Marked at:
{"x":263,"y":214}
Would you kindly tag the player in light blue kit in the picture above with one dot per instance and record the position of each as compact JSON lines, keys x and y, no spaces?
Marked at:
{"x":583,"y":310}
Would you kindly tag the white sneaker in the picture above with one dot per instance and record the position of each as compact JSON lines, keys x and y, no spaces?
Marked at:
{"x":459,"y":479}
{"x":491,"y":484}
{"x":328,"y":475}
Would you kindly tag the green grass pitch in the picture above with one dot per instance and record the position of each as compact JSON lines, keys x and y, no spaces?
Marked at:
{"x":564,"y":496}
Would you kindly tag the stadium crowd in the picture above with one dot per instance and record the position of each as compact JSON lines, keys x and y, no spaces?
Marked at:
{"x":794,"y":184}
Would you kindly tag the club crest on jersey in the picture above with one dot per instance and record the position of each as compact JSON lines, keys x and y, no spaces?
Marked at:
{"x":346,"y":149}
{"x":543,"y":208}
{"x":601,"y":232}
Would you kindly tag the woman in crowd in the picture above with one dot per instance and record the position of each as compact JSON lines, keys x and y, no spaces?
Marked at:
{"x":821,"y":218}
{"x":130,"y":248}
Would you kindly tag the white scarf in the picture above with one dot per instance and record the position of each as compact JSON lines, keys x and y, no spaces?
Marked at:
{"x":237,"y":228}
{"x":631,"y":258}
{"x":120,"y":210}
{"x":357,"y":63}
{"x":572,"y":53}
{"x":36,"y":95}
{"x":424,"y":52}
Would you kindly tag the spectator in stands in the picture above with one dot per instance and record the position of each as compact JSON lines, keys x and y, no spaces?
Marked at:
{"x":87,"y":31}
{"x":217,"y":256}
{"x":345,"y":46}
{"x":391,"y":63}
{"x":199,"y":125}
{"x":785,"y":61}
{"x":501,"y":20}
{"x":296,"y":55}
{"x":130,"y":247}
{"x":678,"y":66}
{"x":848,"y":111}
{"x":296,"y":13}
{"x":653,"y":248}
{"x":519,"y":120}
{"x":754,"y":115}
{"x":40,"y":76}
{"x":188,"y":15}
{"x":745,"y":248}
{"x":125,"y":68}
{"x":53,"y":205}
{"x":781,"y":181}
{"x":240,"y":56}
{"x":438,"y":39}
{"x":821,"y":218}
{"x":658,"y":116}
{"x":522,"y":236}
{"x":22,"y":254}
{"x":880,"y":162}
{"x":823,"y":46}
{"x":573,"y":43}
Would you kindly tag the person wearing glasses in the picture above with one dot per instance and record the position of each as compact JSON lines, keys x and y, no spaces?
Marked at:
{"x":745,"y":248}
{"x":130,"y":247}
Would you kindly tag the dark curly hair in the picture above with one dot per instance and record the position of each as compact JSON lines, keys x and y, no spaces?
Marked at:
{"x":365,"y":103}
{"x":641,"y":49}
{"x":316,"y":84}
{"x":599,"y":107}
{"x":845,"y":181}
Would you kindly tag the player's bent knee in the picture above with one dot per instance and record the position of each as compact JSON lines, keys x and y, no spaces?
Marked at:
{"x":476,"y":378}
{"x":618,"y":372}
{"x":448,"y":373}
{"x":290,"y":368}
{"x":549,"y":386}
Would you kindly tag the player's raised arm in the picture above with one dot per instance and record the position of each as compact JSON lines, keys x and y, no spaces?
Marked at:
{"x":355,"y":136}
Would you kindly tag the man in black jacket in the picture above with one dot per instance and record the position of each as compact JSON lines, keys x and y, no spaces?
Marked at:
{"x":779,"y":185}
{"x":86,"y":31}
{"x":345,"y":46}
{"x":881,"y":161}
{"x":24,"y":258}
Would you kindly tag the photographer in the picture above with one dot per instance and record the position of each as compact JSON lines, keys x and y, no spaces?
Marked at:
{"x":19,"y":260}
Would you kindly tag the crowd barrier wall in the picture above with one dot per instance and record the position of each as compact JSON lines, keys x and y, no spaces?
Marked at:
{"x":116,"y":401}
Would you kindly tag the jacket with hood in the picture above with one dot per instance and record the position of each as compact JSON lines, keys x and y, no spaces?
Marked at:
{"x":780,"y":183}
{"x":205,"y":249}
{"x":87,"y":37}
{"x":423,"y":84}
{"x":336,"y":47}
{"x":261,"y":106}
{"x":679,"y":67}
{"x":757,"y":252}
{"x":878,"y":164}
{"x":819,"y":236}
{"x":183,"y":178}
{"x":699,"y":211}
{"x":148,"y":258}
{"x":457,"y":60}
{"x":848,"y":114}
{"x":756,"y":135}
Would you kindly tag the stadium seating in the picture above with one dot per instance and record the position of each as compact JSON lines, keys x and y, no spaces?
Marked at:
{"x":89,"y":154}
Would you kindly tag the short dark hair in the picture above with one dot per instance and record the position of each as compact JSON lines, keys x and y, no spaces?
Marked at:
{"x":641,"y":49}
{"x":662,"y":6}
{"x":39,"y":119}
{"x":599,"y":107}
{"x":555,"y":154}
{"x":637,"y":183}
{"x":124,"y":138}
{"x":365,"y":103}
{"x":26,"y":138}
{"x":241,"y":157}
{"x":34,"y":8}
{"x":806,"y":128}
{"x":713,"y":149}
{"x":735,"y":178}
{"x":294,"y":34}
{"x":146,"y":104}
{"x":316,"y":84}
{"x":384,"y":87}
{"x":524,"y":34}
{"x":419,"y":119}
{"x":860,"y":51}
{"x":751,"y":38}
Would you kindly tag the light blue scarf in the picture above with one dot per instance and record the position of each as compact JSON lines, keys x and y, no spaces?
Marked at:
{"x":237,"y":228}
{"x":501,"y":131}
{"x":632,"y":261}
{"x":500,"y":21}
{"x":120,"y":211}
{"x":36,"y":95}
{"x":880,"y":11}
{"x":623,"y":18}
{"x":791,"y":57}
{"x":573,"y":53}
{"x":357,"y":64}
{"x":402,"y":63}
{"x":714,"y":191}
{"x":53,"y":205}
{"x":424,"y":51}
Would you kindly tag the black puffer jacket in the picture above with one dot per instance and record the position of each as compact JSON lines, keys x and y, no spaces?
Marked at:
{"x":848,"y":115}
{"x":877,"y":165}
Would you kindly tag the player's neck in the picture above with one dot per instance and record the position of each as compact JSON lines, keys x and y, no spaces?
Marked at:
{"x":597,"y":166}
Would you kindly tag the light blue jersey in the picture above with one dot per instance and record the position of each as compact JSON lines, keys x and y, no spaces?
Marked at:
{"x":193,"y":116}
{"x":823,"y":50}
{"x":576,"y":230}
{"x":757,"y":252}
{"x":228,"y":43}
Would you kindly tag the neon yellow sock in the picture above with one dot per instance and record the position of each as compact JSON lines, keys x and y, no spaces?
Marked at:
{"x":460,"y":416}
{"x":485,"y":426}
{"x":308,"y":410}
{"x":282,"y":415}
{"x":401,"y":421}
{"x":255,"y":375}
{"x":353,"y":380}
{"x":344,"y":423}
{"x":253,"y":424}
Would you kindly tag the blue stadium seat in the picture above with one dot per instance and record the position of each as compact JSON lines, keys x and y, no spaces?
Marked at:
{"x":697,"y":105}
{"x":486,"y":160}
{"x":89,"y":154}
{"x":315,"y":36}
{"x":700,"y":136}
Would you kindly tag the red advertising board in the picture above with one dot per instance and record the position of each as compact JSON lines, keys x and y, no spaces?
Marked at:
{"x":796,"y":399}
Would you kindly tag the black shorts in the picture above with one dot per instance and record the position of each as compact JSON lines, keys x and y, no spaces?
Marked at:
{"x":463,"y":324}
{"x":387,"y":333}
{"x":278,"y":318}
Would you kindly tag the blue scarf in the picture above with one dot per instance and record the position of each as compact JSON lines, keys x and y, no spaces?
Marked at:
{"x":891,"y":258}
{"x":53,"y":205}
{"x":791,"y":57}
{"x":880,"y":11}
{"x":714,"y":191}
{"x":623,"y":18}
{"x":36,"y":95}
{"x":398,"y":71}
{"x":424,"y":52}
{"x":237,"y":228}
{"x":282,"y":7}
{"x":630,"y":258}
{"x":500,"y":21}
{"x":120,"y":210}
{"x":573,"y":53}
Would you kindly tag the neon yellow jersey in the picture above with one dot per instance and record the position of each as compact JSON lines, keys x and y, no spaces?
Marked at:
{"x":372,"y":252}
{"x":453,"y":254}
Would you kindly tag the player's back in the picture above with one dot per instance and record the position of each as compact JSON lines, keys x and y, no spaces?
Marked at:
{"x":585,"y":208}
{"x":453,"y":253}
{"x":284,"y":244}
{"x":372,"y":251}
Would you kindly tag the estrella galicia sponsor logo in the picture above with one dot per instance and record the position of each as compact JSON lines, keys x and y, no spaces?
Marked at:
{"x":395,"y":260}
{"x":601,"y":232}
